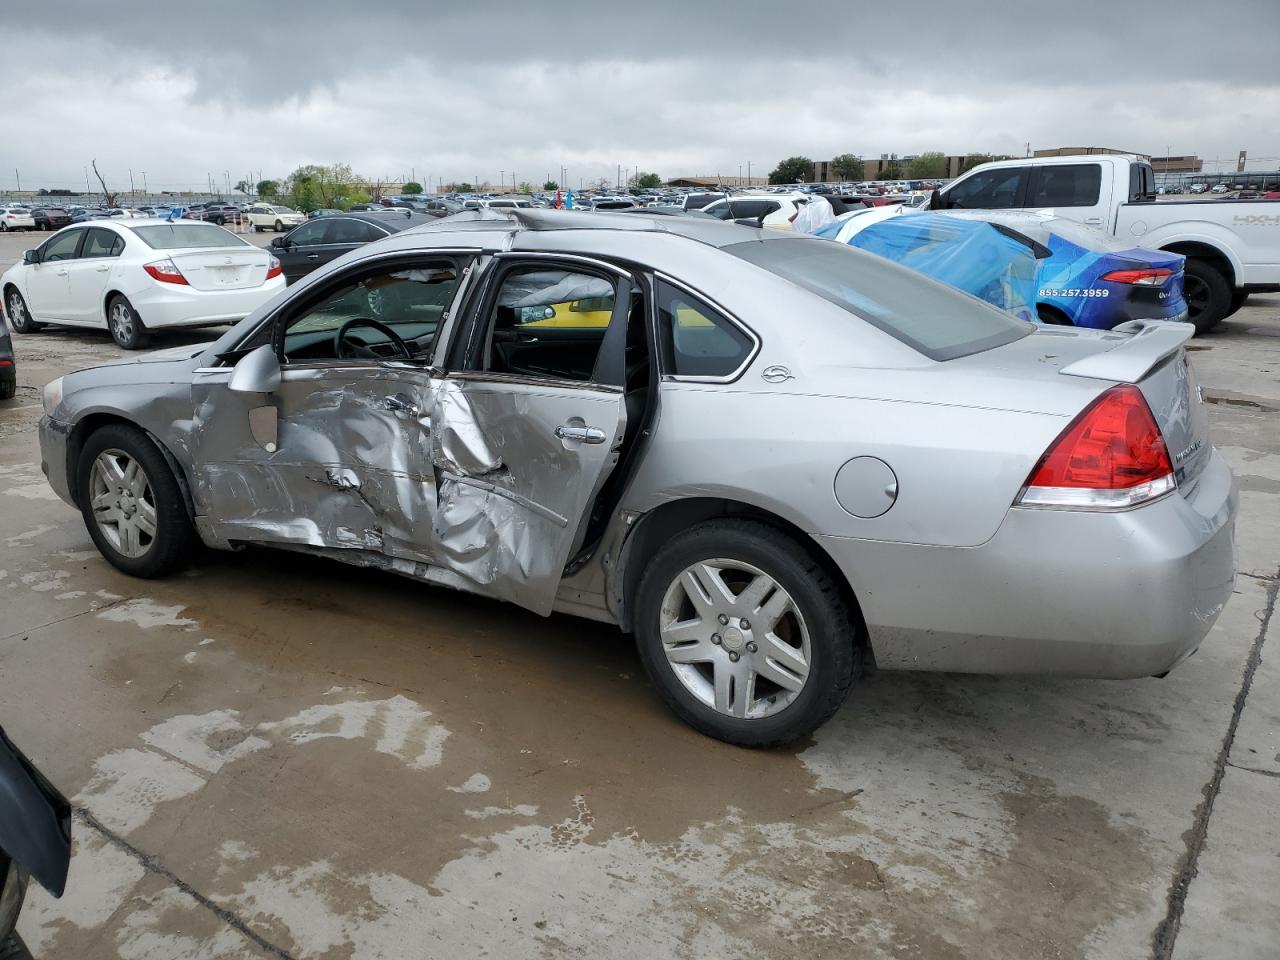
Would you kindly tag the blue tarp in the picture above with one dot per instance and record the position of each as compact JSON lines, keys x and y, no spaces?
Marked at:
{"x":972,"y":256}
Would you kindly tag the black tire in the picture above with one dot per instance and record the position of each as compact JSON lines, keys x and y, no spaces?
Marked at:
{"x":12,"y":948}
{"x":174,"y":540}
{"x":279,"y":227}
{"x":1238,"y":299}
{"x":836,"y":655}
{"x":19,"y":316}
{"x":1052,"y":316}
{"x":127,"y":328}
{"x":8,"y":387}
{"x":1207,"y":293}
{"x":257,"y":228}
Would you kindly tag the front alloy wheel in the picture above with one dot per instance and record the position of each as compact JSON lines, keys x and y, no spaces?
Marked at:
{"x":19,"y":316}
{"x":124,"y":506}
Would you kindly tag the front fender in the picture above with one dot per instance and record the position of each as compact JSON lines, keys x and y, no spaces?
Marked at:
{"x":35,"y":820}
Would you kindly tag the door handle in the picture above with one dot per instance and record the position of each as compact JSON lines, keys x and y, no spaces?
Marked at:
{"x":568,"y":431}
{"x":313,"y":256}
{"x":1093,"y":221}
{"x":102,"y":269}
{"x":60,"y":273}
{"x":398,"y":404}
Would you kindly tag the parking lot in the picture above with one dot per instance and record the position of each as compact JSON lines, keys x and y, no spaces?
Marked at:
{"x":281,"y":756}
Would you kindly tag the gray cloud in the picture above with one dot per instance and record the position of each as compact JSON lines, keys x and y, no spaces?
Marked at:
{"x":674,"y":87}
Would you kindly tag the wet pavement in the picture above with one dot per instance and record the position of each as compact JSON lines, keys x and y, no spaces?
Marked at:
{"x":279,"y":756}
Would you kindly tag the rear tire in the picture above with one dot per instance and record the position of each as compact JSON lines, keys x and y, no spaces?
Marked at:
{"x":127,"y":328}
{"x":816,"y":657}
{"x":1238,"y":298}
{"x":1052,"y":316}
{"x":19,"y":316}
{"x":8,"y":387}
{"x":257,"y":228}
{"x":1207,"y":293}
{"x":279,"y":227}
{"x":129,"y":478}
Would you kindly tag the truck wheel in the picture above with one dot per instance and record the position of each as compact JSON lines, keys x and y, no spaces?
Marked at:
{"x":744,"y":635}
{"x":1207,"y":293}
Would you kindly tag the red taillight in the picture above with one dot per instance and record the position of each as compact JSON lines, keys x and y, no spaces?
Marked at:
{"x":273,"y":268}
{"x":6,"y":363}
{"x":1152,"y":277}
{"x":166,"y":271}
{"x":1111,"y":456}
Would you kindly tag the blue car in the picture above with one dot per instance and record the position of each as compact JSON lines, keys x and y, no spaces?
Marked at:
{"x":1081,"y":277}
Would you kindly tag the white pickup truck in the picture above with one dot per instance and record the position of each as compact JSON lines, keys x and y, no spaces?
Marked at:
{"x":1232,"y":246}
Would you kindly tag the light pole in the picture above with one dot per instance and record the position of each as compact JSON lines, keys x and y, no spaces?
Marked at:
{"x":748,"y":171}
{"x":144,"y":183}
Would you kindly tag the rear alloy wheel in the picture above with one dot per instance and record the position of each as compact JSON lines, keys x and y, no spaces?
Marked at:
{"x":131,"y":503}
{"x":126,"y":326}
{"x":19,"y":315}
{"x":1207,"y":293}
{"x":745,"y":636}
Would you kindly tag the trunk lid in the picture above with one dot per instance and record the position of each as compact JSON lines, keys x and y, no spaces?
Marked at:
{"x":225,"y":268}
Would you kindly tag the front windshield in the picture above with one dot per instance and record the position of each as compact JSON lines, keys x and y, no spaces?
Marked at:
{"x":185,"y":236}
{"x":930,"y":317}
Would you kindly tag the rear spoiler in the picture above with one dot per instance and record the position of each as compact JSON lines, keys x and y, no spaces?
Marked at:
{"x":1149,"y":343}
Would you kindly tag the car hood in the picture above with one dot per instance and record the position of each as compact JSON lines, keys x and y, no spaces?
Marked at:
{"x":174,"y":365}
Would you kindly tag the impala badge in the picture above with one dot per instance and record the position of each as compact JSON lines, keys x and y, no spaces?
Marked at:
{"x":776,"y":374}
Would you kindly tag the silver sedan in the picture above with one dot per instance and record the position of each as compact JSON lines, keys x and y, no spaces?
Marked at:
{"x":772,"y":458}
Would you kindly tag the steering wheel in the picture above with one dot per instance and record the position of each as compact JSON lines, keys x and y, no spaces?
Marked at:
{"x":352,"y":351}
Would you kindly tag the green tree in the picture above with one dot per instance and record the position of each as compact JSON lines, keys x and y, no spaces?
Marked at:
{"x":551,"y":185}
{"x":927,"y":166}
{"x":358,"y":196}
{"x":462,"y":187}
{"x":847,"y":167}
{"x":974,"y":159}
{"x":792,"y":170}
{"x":412,"y":188}
{"x":890,"y":171}
{"x":268,"y":188}
{"x":525,"y":187}
{"x":645,"y":181}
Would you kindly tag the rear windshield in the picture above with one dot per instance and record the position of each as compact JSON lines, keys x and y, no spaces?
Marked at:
{"x":182,"y":236}
{"x":937,"y":320}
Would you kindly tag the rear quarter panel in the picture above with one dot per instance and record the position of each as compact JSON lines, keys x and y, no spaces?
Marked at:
{"x":958,"y":468}
{"x":1246,"y":232}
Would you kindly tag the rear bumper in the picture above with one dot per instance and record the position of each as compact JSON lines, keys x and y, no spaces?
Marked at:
{"x":1055,"y":592}
{"x":169,"y":305}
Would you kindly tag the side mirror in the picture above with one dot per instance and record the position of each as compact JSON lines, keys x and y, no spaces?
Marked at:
{"x":256,"y":372}
{"x":280,"y":243}
{"x":31,"y":256}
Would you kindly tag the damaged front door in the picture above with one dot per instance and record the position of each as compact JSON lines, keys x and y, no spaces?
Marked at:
{"x":337,"y":454}
{"x":528,"y":424}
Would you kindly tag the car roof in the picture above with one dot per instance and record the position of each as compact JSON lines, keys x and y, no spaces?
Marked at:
{"x":510,"y":221}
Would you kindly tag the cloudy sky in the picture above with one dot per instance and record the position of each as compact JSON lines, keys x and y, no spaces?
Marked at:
{"x":459,"y":91}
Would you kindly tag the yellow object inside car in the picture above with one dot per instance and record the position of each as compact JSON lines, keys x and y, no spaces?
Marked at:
{"x":595,"y":313}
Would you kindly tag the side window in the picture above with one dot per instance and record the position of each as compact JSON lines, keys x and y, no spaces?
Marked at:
{"x":102,"y":243}
{"x":999,"y":189}
{"x":309,"y":233}
{"x":697,"y":340}
{"x":343,"y":230}
{"x":62,"y":247}
{"x":1068,"y":185}
{"x":409,"y":301}
{"x":548,"y":323}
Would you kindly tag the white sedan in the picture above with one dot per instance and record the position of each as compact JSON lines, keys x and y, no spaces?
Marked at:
{"x":135,"y":276}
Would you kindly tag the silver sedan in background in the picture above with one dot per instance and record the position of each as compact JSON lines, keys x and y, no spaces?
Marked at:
{"x":772,"y":458}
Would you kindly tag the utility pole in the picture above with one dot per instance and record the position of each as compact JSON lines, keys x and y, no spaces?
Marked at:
{"x":144,"y":181}
{"x":131,"y":181}
{"x":748,"y":171}
{"x":17,"y":177}
{"x":86,"y":179}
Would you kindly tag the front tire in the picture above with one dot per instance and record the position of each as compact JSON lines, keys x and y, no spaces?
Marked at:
{"x":19,"y":316}
{"x":744,"y":634}
{"x":1207,"y":293}
{"x":127,"y":328}
{"x":279,"y":227}
{"x":132,"y":504}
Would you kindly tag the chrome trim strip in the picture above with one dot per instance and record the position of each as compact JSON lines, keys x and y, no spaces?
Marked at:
{"x":571,"y":257}
{"x":519,"y":379}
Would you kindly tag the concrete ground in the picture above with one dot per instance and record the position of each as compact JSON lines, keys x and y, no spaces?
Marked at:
{"x":276,"y":756}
